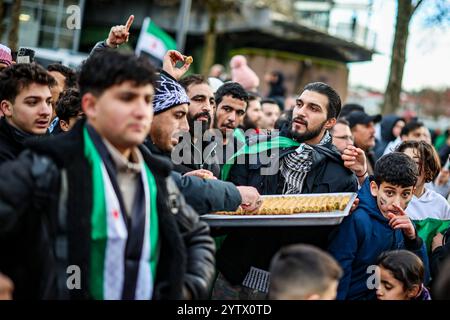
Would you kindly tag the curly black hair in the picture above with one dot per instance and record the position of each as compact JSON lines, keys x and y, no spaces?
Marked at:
{"x":16,"y":77}
{"x":69,"y":104}
{"x":233,"y":89}
{"x":68,"y":73}
{"x":396,"y":168}
{"x":107,"y":68}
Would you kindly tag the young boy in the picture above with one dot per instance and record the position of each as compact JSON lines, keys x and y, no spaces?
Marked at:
{"x":378,"y":224}
{"x":68,"y":110}
{"x":303,"y":272}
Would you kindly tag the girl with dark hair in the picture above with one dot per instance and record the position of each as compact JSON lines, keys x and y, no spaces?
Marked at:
{"x":429,"y":211}
{"x":401,"y":275}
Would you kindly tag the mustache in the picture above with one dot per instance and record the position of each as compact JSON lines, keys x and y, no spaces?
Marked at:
{"x":300,"y":120}
{"x":203,"y":114}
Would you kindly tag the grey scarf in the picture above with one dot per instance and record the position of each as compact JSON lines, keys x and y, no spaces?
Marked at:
{"x":296,"y":165}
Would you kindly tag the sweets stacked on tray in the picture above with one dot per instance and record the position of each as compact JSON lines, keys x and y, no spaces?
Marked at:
{"x":294,"y":204}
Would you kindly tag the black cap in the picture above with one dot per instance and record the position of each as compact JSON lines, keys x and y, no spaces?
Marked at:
{"x":360,"y":117}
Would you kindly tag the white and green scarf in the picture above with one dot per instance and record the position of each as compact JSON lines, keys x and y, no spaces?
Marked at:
{"x":109,"y":234}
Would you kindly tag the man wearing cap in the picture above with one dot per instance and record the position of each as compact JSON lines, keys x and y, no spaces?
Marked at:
{"x":363,"y":130}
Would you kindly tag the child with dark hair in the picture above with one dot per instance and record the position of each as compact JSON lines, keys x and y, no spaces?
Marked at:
{"x":69,"y":109}
{"x":378,"y":224}
{"x":402,"y":275}
{"x":303,"y":272}
{"x":429,"y":211}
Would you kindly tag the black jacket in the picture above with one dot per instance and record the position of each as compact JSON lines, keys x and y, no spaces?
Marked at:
{"x":204,"y":195}
{"x":439,"y":255}
{"x":11,"y":141}
{"x":246,"y":247}
{"x":32,"y":220}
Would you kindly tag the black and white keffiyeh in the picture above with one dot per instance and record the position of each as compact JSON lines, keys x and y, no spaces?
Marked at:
{"x":296,"y":165}
{"x":169,"y":93}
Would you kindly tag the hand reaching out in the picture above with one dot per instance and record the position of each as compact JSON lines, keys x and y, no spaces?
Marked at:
{"x":119,"y":34}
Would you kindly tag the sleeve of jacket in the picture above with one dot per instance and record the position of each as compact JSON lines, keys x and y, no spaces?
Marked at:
{"x":418,"y":247}
{"x":25,"y":182}
{"x":343,"y":246}
{"x":208,"y":195}
{"x":99,"y":47}
{"x":200,"y":248}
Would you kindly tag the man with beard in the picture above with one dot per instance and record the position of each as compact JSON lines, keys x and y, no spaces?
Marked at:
{"x":171,"y":105}
{"x":199,"y":116}
{"x":25,"y":100}
{"x":307,"y":163}
{"x":231,"y":101}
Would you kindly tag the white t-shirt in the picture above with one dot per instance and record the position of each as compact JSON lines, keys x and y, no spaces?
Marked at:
{"x":429,"y":205}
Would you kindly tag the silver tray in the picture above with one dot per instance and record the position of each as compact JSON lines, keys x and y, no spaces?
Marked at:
{"x":300,"y":219}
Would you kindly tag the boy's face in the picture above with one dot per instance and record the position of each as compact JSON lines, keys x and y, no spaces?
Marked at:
{"x":31,"y":110}
{"x":122,"y":114}
{"x":389,"y":195}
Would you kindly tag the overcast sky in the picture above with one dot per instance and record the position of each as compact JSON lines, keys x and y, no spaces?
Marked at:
{"x":428,"y":51}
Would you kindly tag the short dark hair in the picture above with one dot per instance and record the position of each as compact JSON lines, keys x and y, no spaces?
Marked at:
{"x":193,"y":79}
{"x":68,"y":73}
{"x":304,"y":269}
{"x":269,"y":101}
{"x":107,"y":68}
{"x":16,"y":77}
{"x":396,"y":168}
{"x":405,"y":266}
{"x":411,"y":126}
{"x":430,"y":163}
{"x":69,"y":104}
{"x":252,"y":96}
{"x":233,"y":89}
{"x":334,"y":101}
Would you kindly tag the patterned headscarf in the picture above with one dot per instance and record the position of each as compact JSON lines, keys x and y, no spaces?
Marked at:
{"x":169,"y":93}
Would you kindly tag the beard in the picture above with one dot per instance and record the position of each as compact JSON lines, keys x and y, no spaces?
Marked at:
{"x":249,"y":124}
{"x":204,"y":124}
{"x":309,"y":134}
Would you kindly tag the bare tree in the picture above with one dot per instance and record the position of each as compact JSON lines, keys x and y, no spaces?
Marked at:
{"x":405,"y":12}
{"x":13,"y":37}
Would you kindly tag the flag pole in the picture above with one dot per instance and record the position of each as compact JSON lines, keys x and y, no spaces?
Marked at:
{"x":183,"y":24}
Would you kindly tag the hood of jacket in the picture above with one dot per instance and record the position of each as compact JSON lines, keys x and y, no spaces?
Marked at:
{"x":386,"y":126}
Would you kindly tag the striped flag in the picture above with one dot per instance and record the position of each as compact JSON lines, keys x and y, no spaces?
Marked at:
{"x":154,"y":41}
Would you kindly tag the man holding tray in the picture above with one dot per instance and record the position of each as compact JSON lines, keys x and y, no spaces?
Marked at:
{"x":305,"y":161}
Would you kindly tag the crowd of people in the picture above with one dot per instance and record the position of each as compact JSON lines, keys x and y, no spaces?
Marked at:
{"x":107,"y":170}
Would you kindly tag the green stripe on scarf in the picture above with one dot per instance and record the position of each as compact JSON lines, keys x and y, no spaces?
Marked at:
{"x":428,"y":228}
{"x":154,"y":225}
{"x":98,"y":220}
{"x":99,"y":233}
{"x":277,"y":142}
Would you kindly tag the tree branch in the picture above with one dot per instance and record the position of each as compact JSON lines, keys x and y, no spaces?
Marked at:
{"x":417,"y":5}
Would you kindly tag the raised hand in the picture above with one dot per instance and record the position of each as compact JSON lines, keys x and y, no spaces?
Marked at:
{"x":355,"y":160}
{"x":119,"y":34}
{"x":169,"y":64}
{"x":402,"y":221}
